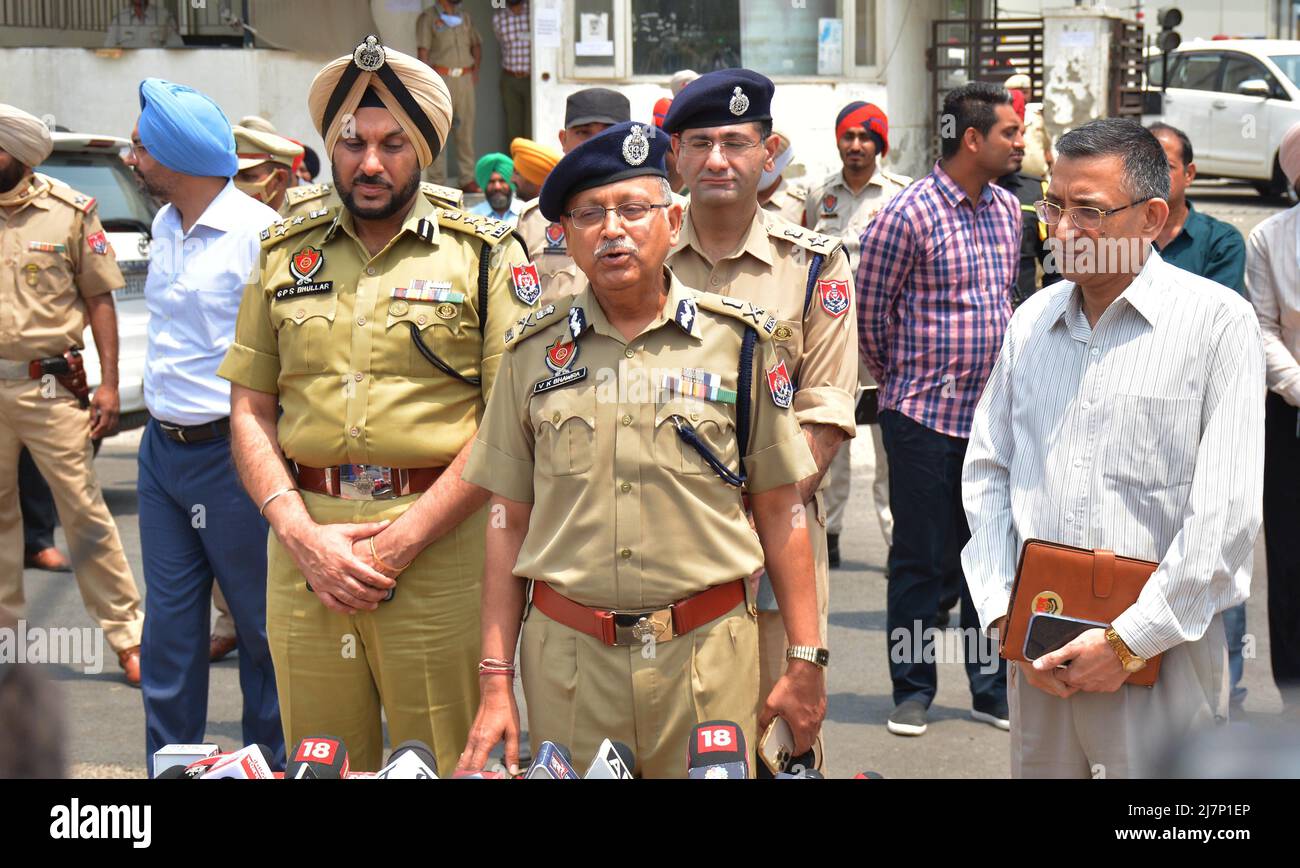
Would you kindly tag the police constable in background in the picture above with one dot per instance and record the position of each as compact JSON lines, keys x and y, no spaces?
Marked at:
{"x":782,"y":197}
{"x":449,"y":43}
{"x":378,"y":327}
{"x":265,"y":165}
{"x":721,"y":126}
{"x":842,"y":206}
{"x":624,"y":429}
{"x":58,"y":273}
{"x":586,"y":113}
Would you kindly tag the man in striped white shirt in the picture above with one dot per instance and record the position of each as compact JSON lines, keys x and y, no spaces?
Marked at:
{"x":1125,"y":412}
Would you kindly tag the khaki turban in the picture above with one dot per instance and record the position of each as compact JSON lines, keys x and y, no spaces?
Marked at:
{"x":23,"y":136}
{"x":410,"y":90}
{"x":532,"y":161}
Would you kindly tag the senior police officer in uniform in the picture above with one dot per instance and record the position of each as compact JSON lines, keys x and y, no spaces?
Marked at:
{"x":721,"y":126}
{"x":586,"y":113}
{"x":378,"y":328}
{"x":449,"y":42}
{"x":842,"y":206}
{"x":58,"y":272}
{"x":625,"y":428}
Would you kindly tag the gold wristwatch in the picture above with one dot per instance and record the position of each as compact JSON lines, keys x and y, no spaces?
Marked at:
{"x":817,"y":656}
{"x":1130,"y":661}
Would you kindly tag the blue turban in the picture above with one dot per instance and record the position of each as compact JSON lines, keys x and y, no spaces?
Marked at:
{"x":185,"y":130}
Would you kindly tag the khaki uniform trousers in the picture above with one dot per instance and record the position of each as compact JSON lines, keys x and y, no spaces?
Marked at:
{"x":771,"y":629}
{"x":416,"y":656}
{"x":462,"y":133}
{"x":1122,"y":734}
{"x":57,"y":433}
{"x":580,"y":691}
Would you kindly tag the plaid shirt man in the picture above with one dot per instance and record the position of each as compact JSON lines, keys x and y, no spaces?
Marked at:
{"x":934,"y":296}
{"x":512,"y":30}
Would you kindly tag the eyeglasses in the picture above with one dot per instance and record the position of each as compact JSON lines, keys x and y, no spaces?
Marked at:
{"x":1082,"y":217}
{"x":134,"y":149}
{"x":629,"y":212}
{"x":731,"y":148}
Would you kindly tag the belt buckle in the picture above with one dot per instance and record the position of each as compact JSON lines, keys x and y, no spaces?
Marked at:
{"x":365,"y":482}
{"x":637,"y":628}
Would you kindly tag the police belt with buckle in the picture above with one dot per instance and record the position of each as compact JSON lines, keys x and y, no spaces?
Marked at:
{"x":452,"y":71}
{"x":367,"y":481}
{"x":635,"y":628}
{"x":190,"y":434}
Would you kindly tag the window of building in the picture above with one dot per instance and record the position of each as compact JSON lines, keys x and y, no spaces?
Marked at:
{"x":806,"y":39}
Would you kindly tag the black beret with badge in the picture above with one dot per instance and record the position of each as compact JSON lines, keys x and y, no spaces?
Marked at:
{"x":717,"y":99}
{"x":627,"y":150}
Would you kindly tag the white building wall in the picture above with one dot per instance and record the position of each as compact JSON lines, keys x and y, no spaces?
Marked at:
{"x":89,"y":92}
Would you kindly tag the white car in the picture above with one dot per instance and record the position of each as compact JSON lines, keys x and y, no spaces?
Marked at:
{"x":1235,"y":99}
{"x":91,"y":165}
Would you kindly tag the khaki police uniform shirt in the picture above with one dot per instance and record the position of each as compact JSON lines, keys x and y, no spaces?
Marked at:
{"x":832,"y":207}
{"x":306,"y":198}
{"x":53,"y":253}
{"x":771,"y":268}
{"x":624,"y":513}
{"x":338,"y":351}
{"x":787,"y":201}
{"x":545,"y":241}
{"x":447,"y":46}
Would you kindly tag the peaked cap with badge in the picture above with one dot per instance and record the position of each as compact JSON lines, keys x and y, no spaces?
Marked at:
{"x":626,"y":150}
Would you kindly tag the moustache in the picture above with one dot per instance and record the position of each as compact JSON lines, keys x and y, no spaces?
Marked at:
{"x":616,"y":245}
{"x":373,"y":180}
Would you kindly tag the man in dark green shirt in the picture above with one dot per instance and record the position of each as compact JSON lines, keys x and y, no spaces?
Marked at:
{"x":1191,"y":240}
{"x":1200,"y":244}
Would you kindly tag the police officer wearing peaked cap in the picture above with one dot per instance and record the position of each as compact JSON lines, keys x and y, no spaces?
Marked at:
{"x":624,"y":430}
{"x":377,"y":327}
{"x":721,"y":124}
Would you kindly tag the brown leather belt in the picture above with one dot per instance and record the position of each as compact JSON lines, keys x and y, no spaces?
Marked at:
{"x":634,"y":628}
{"x":452,"y":71}
{"x":367,"y":481}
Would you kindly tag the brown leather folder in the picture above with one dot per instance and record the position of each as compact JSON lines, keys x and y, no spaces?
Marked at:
{"x":1094,"y":585}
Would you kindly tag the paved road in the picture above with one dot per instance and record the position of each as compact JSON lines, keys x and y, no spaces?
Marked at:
{"x":106,"y":730}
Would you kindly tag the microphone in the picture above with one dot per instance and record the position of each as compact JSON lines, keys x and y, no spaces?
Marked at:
{"x":553,"y":762}
{"x":252,"y":763}
{"x":480,"y":775}
{"x":181,"y":755}
{"x":199,"y":768}
{"x":172,"y":773}
{"x":317,"y":757}
{"x":716,"y":751}
{"x":868,"y":776}
{"x":613,"y":762}
{"x":410,"y":761}
{"x":808,"y":774}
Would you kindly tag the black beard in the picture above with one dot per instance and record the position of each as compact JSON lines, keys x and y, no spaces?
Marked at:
{"x":10,"y":177}
{"x":399,"y":202}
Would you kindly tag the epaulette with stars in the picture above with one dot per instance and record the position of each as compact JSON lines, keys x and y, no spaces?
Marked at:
{"x":530,"y":324}
{"x":805,"y":238}
{"x":291,"y":226}
{"x":305,"y":193}
{"x":80,"y":201}
{"x":760,"y":319}
{"x":485,"y":228}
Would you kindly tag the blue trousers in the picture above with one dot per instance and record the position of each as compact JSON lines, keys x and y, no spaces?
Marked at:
{"x":197,"y":524}
{"x":929,"y":532}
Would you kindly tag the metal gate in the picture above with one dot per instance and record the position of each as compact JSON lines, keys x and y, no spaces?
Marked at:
{"x":989,"y":49}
